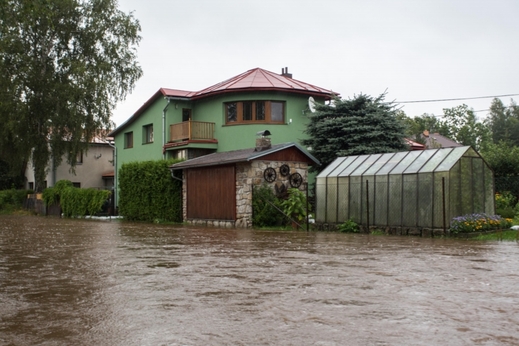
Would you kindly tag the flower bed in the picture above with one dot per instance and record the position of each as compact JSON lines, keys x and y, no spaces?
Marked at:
{"x":479,"y":223}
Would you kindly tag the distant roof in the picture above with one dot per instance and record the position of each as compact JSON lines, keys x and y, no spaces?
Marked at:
{"x":234,"y":156}
{"x":255,"y":79}
{"x":435,"y":140}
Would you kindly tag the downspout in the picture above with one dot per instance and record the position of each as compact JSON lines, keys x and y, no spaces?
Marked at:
{"x":116,"y":196}
{"x":164,"y":128}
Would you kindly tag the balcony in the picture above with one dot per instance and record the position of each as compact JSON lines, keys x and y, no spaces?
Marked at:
{"x":191,"y":130}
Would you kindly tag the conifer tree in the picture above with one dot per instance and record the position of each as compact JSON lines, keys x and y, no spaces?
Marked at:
{"x":362,"y":125}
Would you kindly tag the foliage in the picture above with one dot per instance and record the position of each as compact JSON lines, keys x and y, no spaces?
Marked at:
{"x":12,"y":199}
{"x":265,"y":207}
{"x":295,"y":205}
{"x":502,"y":157}
{"x":10,"y":178}
{"x":506,"y":235}
{"x":76,"y":202}
{"x":478,"y":222}
{"x":463,"y":127}
{"x":51,"y":195}
{"x":147,"y":192}
{"x":414,"y":127}
{"x":348,"y":226}
{"x":503,"y":122}
{"x":64,"y":65}
{"x":505,"y":204}
{"x":362,"y":125}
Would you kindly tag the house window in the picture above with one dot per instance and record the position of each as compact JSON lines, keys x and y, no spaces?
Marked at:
{"x":31,"y":185}
{"x":245,"y":112}
{"x":128,"y":140}
{"x":147,"y":134}
{"x":79,"y":157}
{"x":78,"y":185}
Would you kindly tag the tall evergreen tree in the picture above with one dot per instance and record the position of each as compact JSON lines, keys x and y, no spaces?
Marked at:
{"x":63,"y":67}
{"x":504,"y":122}
{"x":362,"y":125}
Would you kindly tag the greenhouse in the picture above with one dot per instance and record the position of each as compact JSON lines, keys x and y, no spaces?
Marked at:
{"x":413,"y":189}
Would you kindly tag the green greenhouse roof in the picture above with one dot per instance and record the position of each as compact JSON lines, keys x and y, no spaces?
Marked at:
{"x":407,"y":162}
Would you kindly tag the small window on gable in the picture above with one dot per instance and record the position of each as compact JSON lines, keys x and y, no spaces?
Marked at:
{"x":147,"y":134}
{"x":128,"y":140}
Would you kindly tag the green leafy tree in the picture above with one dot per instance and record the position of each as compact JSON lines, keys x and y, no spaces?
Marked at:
{"x":414,"y":127}
{"x":64,"y":65}
{"x":504,"y":122}
{"x":362,"y":125}
{"x":463,"y":127}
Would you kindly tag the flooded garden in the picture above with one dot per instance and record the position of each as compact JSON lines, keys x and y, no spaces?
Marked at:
{"x":86,"y":282}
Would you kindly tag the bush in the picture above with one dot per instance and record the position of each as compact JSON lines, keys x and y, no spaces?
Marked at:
{"x":77,"y":202}
{"x":348,"y":226}
{"x":13,"y":199}
{"x":295,"y":205}
{"x":266,"y":208}
{"x":147,"y":192}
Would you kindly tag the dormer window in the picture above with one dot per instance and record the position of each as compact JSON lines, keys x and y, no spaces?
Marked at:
{"x":252,"y":112}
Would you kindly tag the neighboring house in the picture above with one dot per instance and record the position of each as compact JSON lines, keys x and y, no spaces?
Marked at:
{"x":217,"y":188}
{"x":223,"y":117}
{"x":94,"y":168}
{"x":435,"y":141}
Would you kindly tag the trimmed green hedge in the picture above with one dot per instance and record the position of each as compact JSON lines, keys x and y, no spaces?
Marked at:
{"x":147,"y":192}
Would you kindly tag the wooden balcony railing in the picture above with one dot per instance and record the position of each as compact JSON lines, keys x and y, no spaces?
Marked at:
{"x":189,"y":130}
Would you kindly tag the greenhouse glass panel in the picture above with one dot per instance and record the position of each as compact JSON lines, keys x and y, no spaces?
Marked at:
{"x":467,"y":205}
{"x":376,"y":166}
{"x":366,"y":164}
{"x":395,"y":200}
{"x":358,"y":160}
{"x":425,"y":199}
{"x":479,"y":184}
{"x":406,"y":161}
{"x":331,"y":199}
{"x":438,"y":200}
{"x":455,"y":191}
{"x":344,"y":165}
{"x":410,"y":189}
{"x":381,"y":196}
{"x":453,"y":157}
{"x":395,"y":160}
{"x":343,"y":200}
{"x":332,"y":166}
{"x":355,"y":207}
{"x":420,"y":161}
{"x":320,"y":199}
{"x":438,"y":157}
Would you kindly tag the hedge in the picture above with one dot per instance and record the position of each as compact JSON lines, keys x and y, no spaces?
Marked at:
{"x":147,"y":192}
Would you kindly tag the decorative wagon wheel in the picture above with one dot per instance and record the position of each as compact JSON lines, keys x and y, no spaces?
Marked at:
{"x":269,"y":174}
{"x":295,"y":180}
{"x":284,"y":170}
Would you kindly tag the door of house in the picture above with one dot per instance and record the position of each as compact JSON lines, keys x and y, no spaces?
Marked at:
{"x":186,"y":114}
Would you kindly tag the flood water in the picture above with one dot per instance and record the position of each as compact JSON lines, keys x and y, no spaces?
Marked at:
{"x":84,"y":282}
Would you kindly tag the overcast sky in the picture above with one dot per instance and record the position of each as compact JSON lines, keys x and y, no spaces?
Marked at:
{"x":413,"y":49}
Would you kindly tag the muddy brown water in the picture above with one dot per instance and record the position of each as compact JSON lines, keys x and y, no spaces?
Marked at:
{"x":84,"y":282}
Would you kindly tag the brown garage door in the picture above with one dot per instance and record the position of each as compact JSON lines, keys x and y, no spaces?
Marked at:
{"x":211,"y":193}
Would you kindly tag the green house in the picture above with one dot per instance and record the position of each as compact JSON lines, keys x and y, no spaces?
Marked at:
{"x":223,"y":117}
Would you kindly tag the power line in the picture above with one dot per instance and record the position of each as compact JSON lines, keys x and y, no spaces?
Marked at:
{"x":458,"y":99}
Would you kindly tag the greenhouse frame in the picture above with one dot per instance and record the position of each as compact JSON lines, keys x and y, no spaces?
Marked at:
{"x":412,"y":189}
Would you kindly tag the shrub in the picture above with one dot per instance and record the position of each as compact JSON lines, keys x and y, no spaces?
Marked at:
{"x":295,"y":205}
{"x":478,"y":222}
{"x":147,"y":192}
{"x":77,"y":202}
{"x":266,"y":207}
{"x":348,"y":226}
{"x":505,"y":203}
{"x":13,"y":199}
